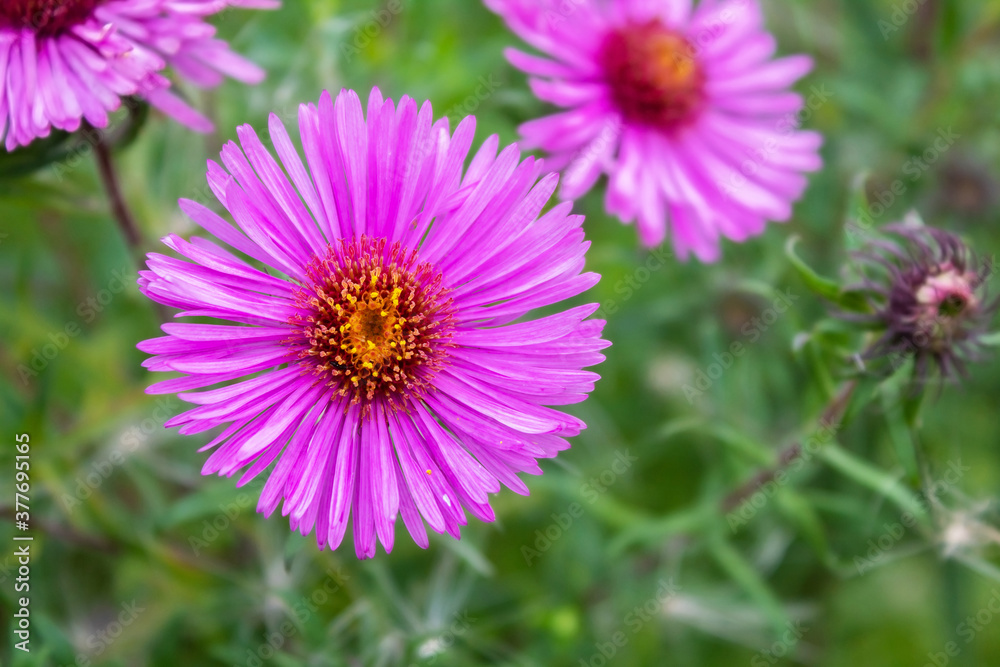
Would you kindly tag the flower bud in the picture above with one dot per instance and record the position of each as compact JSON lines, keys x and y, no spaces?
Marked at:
{"x":927,"y":291}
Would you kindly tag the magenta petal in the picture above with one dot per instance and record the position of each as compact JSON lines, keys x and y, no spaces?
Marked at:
{"x":74,"y":65}
{"x":370,"y":365}
{"x":654,"y":140}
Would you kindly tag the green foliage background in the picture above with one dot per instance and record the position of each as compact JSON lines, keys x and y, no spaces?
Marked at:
{"x":212,"y":596}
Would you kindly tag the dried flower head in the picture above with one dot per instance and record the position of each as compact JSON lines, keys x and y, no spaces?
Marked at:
{"x":928,"y":292}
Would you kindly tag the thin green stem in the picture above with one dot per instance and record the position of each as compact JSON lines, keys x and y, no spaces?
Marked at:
{"x":832,"y":415}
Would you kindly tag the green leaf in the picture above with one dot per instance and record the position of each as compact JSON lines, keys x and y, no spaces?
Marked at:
{"x":744,"y":574}
{"x":803,"y":516}
{"x":856,"y":230}
{"x":655,"y":531}
{"x":899,"y":431}
{"x":819,"y":366}
{"x":950,"y":26}
{"x":738,"y":441}
{"x":992,"y":340}
{"x":865,"y":474}
{"x":983,"y":567}
{"x":51,"y":635}
{"x":851,"y":301}
{"x":212,"y":500}
{"x":38,"y":154}
{"x":128,"y":132}
{"x":67,"y":147}
{"x":471,"y":555}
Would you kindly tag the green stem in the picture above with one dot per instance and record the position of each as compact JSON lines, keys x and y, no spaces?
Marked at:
{"x":832,"y":416}
{"x":869,"y":476}
{"x":952,"y":606}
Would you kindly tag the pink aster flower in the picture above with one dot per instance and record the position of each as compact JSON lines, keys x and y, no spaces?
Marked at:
{"x":388,"y":368}
{"x":63,"y":61}
{"x":683,"y":108}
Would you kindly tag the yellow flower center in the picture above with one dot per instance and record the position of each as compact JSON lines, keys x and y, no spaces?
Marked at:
{"x":372,"y":322}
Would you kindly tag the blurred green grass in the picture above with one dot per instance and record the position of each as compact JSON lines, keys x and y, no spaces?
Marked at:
{"x":217,"y":583}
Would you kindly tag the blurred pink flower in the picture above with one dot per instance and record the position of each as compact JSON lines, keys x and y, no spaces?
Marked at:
{"x":682,"y":107}
{"x":63,"y":61}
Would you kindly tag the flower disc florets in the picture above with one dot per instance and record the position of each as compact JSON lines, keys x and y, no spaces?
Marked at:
{"x":46,"y":17}
{"x":374,"y":321}
{"x":654,"y":76}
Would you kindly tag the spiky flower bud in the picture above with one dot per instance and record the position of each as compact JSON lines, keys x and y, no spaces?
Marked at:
{"x":928,"y":293}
